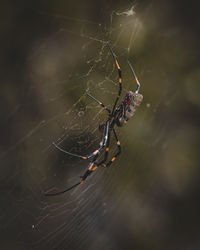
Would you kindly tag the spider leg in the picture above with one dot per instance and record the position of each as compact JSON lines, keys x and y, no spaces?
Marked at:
{"x":66,"y":152}
{"x":62,"y":192}
{"x":133,"y":72}
{"x":118,"y":152}
{"x":105,"y":137}
{"x":120,"y":77}
{"x":92,"y":167}
{"x":87,"y":173}
{"x":100,"y":103}
{"x":106,"y":152}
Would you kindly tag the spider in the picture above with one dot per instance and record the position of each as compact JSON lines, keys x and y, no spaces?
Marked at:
{"x":117,"y":117}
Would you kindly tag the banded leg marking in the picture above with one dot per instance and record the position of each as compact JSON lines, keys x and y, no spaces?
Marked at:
{"x":119,"y":79}
{"x":99,"y":102}
{"x":118,"y":152}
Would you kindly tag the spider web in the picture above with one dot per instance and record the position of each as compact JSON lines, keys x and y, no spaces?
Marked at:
{"x":91,"y":69}
{"x":111,"y":209}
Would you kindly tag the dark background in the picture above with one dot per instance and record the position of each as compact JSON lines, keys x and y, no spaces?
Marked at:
{"x":149,"y":199}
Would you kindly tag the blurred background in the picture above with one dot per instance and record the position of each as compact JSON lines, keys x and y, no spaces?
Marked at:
{"x":52,"y":52}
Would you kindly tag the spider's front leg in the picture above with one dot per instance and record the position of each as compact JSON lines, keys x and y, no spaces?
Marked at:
{"x":119,"y":77}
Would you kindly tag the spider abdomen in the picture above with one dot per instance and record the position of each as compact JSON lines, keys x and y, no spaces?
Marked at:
{"x":128,"y":107}
{"x":130,"y":111}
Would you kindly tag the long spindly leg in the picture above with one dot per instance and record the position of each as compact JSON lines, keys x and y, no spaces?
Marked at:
{"x":90,"y":155}
{"x":92,"y":166}
{"x":133,"y":72}
{"x":119,"y":79}
{"x":63,"y":191}
{"x":99,"y":102}
{"x":118,"y":152}
{"x":106,"y":152}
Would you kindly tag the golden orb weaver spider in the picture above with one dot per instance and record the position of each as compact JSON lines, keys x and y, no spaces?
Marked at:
{"x":118,"y":116}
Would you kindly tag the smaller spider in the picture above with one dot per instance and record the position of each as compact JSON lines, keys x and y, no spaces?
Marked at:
{"x":118,"y":116}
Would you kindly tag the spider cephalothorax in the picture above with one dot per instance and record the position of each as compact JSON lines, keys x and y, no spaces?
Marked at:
{"x":129,"y":98}
{"x":117,"y":116}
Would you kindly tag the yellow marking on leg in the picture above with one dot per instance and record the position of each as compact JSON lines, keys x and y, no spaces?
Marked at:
{"x":100,"y":103}
{"x":84,"y":158}
{"x":113,"y":159}
{"x":91,"y":165}
{"x":107,"y":149}
{"x":104,"y":165}
{"x":118,"y":143}
{"x":95,"y":152}
{"x":94,"y":168}
{"x":81,"y":181}
{"x":120,"y":80}
{"x":117,"y":64}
